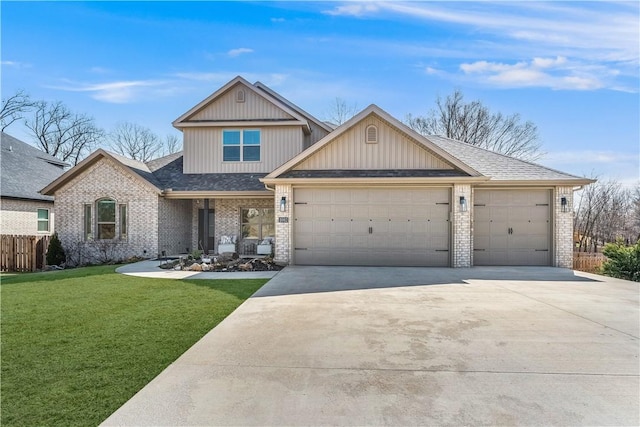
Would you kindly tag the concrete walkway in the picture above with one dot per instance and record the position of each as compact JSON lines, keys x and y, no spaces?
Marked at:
{"x":411,"y":346}
{"x":152,"y":269}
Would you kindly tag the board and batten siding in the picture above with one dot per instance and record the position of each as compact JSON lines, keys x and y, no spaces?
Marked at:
{"x":253,"y":108}
{"x":317,"y":133}
{"x":203,"y":150}
{"x":393,"y":150}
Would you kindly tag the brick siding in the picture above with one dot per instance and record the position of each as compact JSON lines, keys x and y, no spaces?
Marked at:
{"x":105,"y":179}
{"x":462,"y":232}
{"x":21,"y":216}
{"x":227,"y":216}
{"x":284,"y":230}
{"x":563,"y":227}
{"x":174,"y":225}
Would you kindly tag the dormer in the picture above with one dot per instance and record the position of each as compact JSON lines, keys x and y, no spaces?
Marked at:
{"x":242,"y":128}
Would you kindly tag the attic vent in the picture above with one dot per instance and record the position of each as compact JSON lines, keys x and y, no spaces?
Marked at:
{"x":372,"y":134}
{"x":240,"y":95}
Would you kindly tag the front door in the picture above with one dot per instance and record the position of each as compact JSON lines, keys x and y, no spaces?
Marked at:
{"x":206,"y":235}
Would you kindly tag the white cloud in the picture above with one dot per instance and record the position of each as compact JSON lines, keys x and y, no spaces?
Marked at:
{"x":239,"y":51}
{"x":433,"y":71}
{"x":600,"y":34}
{"x":277,"y":19}
{"x":353,"y":9}
{"x":118,"y":92}
{"x":554,"y":73}
{"x":15,"y":64}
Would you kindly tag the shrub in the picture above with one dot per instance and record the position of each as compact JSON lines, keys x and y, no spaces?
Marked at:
{"x":623,"y":262}
{"x":55,"y":252}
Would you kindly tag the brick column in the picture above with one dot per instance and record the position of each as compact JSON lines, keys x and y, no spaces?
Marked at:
{"x":462,"y":237}
{"x":563,"y":227}
{"x":284,"y":230}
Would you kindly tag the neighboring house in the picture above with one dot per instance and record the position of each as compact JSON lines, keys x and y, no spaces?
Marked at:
{"x":25,"y":170}
{"x":371,"y":192}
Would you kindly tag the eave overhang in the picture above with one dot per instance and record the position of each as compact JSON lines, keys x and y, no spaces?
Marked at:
{"x":377,"y":181}
{"x":245,"y":123}
{"x":538,"y":183}
{"x":75,"y":171}
{"x":170,"y":194}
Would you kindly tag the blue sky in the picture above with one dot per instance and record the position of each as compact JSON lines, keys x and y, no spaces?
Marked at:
{"x":570,"y":67}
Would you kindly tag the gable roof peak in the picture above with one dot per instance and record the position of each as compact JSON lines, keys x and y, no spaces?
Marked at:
{"x":391,"y":121}
{"x":183,"y":120}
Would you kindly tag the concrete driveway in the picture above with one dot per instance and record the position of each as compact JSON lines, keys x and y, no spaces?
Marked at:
{"x":411,"y":346}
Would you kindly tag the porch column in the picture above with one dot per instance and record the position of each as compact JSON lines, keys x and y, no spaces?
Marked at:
{"x":563,"y":227}
{"x":205,"y":226}
{"x":462,"y":233}
{"x":284,"y":224}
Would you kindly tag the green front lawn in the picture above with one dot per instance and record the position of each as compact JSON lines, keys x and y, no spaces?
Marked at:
{"x":78,"y":344}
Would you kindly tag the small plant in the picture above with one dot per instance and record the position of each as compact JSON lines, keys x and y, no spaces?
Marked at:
{"x":196,"y":254}
{"x":623,"y":261}
{"x":55,"y":252}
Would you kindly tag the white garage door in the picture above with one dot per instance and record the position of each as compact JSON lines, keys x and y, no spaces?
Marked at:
{"x":373,"y":226}
{"x":512,"y":227}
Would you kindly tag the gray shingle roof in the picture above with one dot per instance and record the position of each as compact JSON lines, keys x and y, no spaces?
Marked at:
{"x":26,"y":170}
{"x":498,"y":166}
{"x":168,"y":172}
{"x":368,"y":173}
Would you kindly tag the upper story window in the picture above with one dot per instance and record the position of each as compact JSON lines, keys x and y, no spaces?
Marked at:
{"x":43,"y":220}
{"x":241,"y":145}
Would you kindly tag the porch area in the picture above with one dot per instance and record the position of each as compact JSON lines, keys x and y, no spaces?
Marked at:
{"x":242,"y":226}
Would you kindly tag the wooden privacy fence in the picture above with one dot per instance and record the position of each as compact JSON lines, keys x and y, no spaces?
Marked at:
{"x":588,"y":261}
{"x":23,"y":253}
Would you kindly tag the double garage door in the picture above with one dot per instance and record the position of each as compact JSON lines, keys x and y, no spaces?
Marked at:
{"x":512,"y":227}
{"x":410,"y":227}
{"x":372,"y":226}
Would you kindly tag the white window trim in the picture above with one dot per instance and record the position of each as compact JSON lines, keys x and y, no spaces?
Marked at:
{"x":241,"y":146}
{"x":38,"y":220}
{"x":98,"y":222}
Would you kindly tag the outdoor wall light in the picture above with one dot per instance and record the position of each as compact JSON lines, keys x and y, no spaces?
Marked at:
{"x":463,"y":204}
{"x":283,"y":204}
{"x":563,"y":204}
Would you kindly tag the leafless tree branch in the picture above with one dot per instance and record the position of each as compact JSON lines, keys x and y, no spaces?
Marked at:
{"x":14,"y":107}
{"x":62,"y":133}
{"x":135,"y":141}
{"x":340,"y":112}
{"x":474,"y":123}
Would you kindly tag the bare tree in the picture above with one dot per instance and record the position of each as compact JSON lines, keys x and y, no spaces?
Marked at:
{"x":62,"y":133}
{"x":340,"y":112}
{"x":135,"y":141}
{"x":605,"y":212}
{"x":473,"y":123}
{"x":171,"y":145}
{"x":14,"y":108}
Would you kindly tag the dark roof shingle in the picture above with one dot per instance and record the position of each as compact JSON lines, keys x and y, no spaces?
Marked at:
{"x":167,"y":171}
{"x":26,"y":169}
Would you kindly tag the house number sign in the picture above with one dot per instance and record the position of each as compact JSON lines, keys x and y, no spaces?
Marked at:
{"x":283,"y":219}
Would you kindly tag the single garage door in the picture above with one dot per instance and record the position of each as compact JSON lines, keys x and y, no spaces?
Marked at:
{"x":372,"y":226}
{"x":512,"y":227}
